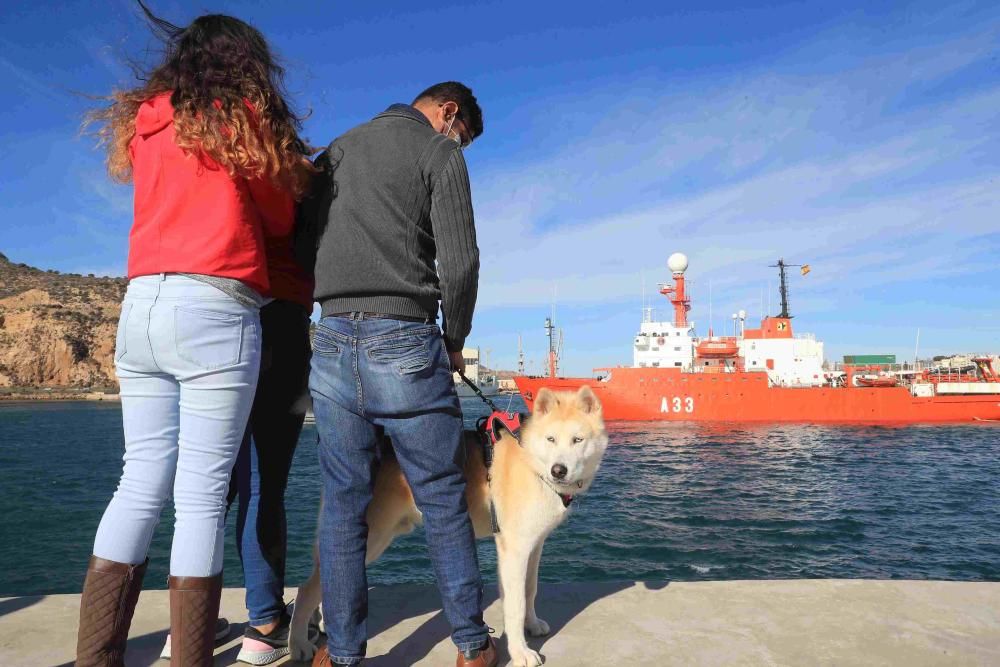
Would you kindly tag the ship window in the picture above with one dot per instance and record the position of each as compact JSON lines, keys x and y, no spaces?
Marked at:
{"x":678,"y":333}
{"x":677,"y":349}
{"x":656,"y":364}
{"x":677,"y":363}
{"x":642,"y":364}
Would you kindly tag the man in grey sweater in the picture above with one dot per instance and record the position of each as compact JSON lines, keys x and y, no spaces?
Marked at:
{"x":396,"y":199}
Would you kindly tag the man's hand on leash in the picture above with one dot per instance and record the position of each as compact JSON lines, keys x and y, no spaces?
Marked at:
{"x":457,"y":362}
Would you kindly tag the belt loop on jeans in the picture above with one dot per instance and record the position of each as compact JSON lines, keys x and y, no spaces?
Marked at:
{"x":362,"y":315}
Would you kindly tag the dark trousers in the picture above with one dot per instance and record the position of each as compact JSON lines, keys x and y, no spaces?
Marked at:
{"x":260,"y":475}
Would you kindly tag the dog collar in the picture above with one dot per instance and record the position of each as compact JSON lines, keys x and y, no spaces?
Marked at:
{"x":564,"y":497}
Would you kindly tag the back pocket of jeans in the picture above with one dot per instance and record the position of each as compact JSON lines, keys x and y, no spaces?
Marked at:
{"x":408,"y":355}
{"x":120,"y":337}
{"x":326,"y":342}
{"x":206,"y":338}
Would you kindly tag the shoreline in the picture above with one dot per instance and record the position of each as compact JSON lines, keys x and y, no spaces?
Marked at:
{"x":56,"y":395}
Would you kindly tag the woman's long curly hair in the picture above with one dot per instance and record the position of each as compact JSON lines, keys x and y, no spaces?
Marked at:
{"x":229,"y":104}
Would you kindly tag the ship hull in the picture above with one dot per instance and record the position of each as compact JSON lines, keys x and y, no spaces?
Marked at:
{"x":643,"y":394}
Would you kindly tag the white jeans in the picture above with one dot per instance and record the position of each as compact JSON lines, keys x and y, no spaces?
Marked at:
{"x":187,"y":357}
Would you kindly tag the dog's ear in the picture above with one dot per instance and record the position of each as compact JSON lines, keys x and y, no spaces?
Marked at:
{"x":545,"y":401}
{"x":588,"y":400}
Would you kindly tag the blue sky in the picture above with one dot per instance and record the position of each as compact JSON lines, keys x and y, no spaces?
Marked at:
{"x":865,"y":142}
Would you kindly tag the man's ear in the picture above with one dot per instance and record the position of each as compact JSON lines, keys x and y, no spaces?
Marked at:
{"x":545,"y":401}
{"x":450,"y":109}
{"x":588,"y":400}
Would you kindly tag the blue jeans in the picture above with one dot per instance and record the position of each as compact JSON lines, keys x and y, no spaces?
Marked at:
{"x":187,"y":357}
{"x":265,"y":459}
{"x":375,"y":374}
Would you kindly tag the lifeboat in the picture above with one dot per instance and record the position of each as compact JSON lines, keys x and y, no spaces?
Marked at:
{"x":717,"y":349}
{"x":876,"y":382}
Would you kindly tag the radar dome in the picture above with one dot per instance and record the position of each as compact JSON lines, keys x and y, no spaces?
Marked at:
{"x":678,"y":262}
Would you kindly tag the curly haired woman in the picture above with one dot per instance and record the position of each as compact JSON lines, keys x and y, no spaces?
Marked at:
{"x":213,"y":151}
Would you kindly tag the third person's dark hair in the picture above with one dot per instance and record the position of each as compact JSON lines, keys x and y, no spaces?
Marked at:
{"x":460,"y":94}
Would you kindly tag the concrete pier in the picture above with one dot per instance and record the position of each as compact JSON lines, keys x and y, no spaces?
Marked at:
{"x":798,"y":622}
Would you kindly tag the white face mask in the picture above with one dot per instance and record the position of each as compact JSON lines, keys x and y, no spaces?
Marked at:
{"x":453,"y":134}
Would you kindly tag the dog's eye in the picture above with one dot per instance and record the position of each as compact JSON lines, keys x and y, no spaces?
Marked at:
{"x":550,"y":439}
{"x":577,"y":440}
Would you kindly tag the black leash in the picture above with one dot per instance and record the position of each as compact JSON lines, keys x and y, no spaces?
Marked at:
{"x":488,"y":436}
{"x":479,"y":392}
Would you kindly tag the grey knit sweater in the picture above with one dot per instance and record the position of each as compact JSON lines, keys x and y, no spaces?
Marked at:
{"x":398,"y":201}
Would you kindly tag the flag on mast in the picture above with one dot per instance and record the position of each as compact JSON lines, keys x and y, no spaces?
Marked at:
{"x":805,"y":269}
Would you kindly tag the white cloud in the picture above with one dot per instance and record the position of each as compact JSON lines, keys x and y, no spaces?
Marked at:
{"x":775,"y":164}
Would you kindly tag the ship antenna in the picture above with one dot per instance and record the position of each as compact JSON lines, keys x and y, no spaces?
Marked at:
{"x":643,"y":274}
{"x":711,"y":319}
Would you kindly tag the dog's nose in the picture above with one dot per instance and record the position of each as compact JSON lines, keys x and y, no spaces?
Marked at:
{"x":559,"y":471}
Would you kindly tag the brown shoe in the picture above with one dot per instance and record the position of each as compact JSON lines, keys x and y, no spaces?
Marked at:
{"x":322,"y":657}
{"x":484,"y":656}
{"x":110,"y":593}
{"x":194,"y":609}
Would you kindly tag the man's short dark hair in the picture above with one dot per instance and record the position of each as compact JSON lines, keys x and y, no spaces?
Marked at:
{"x":460,"y":94}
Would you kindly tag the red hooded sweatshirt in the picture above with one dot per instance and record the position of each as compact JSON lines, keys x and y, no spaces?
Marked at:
{"x":192,"y":217}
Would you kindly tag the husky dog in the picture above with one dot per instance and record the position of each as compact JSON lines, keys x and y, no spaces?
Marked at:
{"x":531,"y":485}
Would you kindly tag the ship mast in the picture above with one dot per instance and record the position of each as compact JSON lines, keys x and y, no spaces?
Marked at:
{"x":553,"y":343}
{"x":520,"y":356}
{"x":783,"y":287}
{"x":677,"y":263}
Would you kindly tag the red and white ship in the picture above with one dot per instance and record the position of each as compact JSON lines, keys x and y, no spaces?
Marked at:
{"x":767,"y":374}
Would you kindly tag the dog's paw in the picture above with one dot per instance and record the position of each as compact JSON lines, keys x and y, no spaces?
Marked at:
{"x":536,"y":627}
{"x":301,"y":650}
{"x":524,"y":657}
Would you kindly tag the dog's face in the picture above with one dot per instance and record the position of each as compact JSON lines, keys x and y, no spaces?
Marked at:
{"x":566,"y":438}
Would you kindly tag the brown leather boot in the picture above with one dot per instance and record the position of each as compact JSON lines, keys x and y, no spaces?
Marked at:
{"x":194,"y":608}
{"x":486,"y":656}
{"x":110,"y":593}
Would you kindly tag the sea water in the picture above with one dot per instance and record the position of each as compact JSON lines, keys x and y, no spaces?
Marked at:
{"x":671,"y":502}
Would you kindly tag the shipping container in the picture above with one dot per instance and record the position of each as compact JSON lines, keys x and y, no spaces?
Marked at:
{"x":869,"y":359}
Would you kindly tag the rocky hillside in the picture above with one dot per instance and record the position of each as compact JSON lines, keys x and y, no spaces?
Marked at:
{"x":57,"y":329}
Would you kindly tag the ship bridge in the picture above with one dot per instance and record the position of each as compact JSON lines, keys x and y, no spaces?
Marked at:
{"x":773,"y":348}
